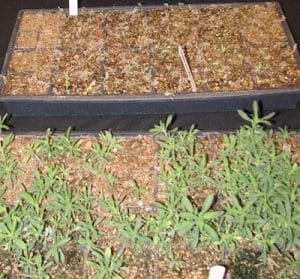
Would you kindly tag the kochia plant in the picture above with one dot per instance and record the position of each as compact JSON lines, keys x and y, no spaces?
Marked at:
{"x":259,"y":181}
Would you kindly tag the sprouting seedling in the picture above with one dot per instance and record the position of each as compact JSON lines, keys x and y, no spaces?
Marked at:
{"x":163,"y":128}
{"x":34,"y":266}
{"x":107,"y":264}
{"x":3,"y":120}
{"x":66,"y":145}
{"x":137,"y":189}
{"x":255,"y":118}
{"x":67,"y":82}
{"x":89,"y":88}
{"x":223,"y":49}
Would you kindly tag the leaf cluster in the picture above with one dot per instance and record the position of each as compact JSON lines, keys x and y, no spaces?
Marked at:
{"x":259,"y":182}
{"x":53,"y":147}
{"x":105,"y":148}
{"x":47,"y":219}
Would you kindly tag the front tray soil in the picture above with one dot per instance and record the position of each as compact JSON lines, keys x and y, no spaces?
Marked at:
{"x":135,"y":51}
{"x":135,"y":160}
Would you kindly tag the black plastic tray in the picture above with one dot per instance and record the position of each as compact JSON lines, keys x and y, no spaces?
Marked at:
{"x":136,"y":114}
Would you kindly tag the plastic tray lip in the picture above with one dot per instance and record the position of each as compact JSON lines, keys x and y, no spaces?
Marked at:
{"x":120,"y":135}
{"x":147,"y":96}
{"x":133,"y":8}
{"x":152,"y":97}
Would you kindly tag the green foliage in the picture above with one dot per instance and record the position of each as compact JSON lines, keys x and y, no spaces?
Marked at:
{"x":104,"y":149}
{"x":176,"y":216}
{"x":69,"y":147}
{"x":3,"y":120}
{"x":195,"y":223}
{"x":260,"y":183}
{"x":255,"y":174}
{"x":11,"y":231}
{"x":254,"y":119}
{"x":34,"y":266}
{"x":8,"y":162}
{"x":35,"y":224}
{"x":107,"y":264}
{"x":53,"y":147}
{"x":129,"y":226}
{"x":138,"y":190}
{"x":57,"y":242}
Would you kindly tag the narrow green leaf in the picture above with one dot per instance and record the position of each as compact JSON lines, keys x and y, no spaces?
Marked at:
{"x":255,"y":108}
{"x":269,"y":116}
{"x":63,"y":241}
{"x":28,"y":198}
{"x":207,"y":203}
{"x":212,"y":215}
{"x":169,"y":120}
{"x":187,"y":204}
{"x":211,"y":232}
{"x":107,"y":256}
{"x":21,"y":244}
{"x":243,"y":115}
{"x":184,"y":228}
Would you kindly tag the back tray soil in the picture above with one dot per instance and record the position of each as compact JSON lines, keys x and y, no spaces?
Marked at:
{"x":130,"y":55}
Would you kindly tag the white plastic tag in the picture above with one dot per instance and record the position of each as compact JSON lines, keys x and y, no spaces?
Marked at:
{"x":217,"y":272}
{"x":73,"y":7}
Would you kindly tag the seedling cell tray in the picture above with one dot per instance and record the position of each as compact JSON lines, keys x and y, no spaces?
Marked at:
{"x":119,"y":68}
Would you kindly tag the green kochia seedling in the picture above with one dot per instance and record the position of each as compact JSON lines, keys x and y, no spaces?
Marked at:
{"x":259,"y":181}
{"x":11,"y":231}
{"x":53,"y":147}
{"x":3,"y":126}
{"x":176,"y":216}
{"x":107,"y":264}
{"x":256,"y":176}
{"x":104,"y":149}
{"x":57,"y":242}
{"x":195,"y":223}
{"x":44,"y":221}
{"x":8,"y":164}
{"x":34,"y":266}
{"x":130,"y":228}
{"x":137,"y":189}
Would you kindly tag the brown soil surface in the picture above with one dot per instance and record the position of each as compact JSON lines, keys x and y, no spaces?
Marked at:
{"x":228,"y":48}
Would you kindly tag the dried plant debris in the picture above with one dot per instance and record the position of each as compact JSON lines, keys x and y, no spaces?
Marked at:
{"x":135,"y":51}
{"x":169,"y":73}
{"x":77,"y":72}
{"x":85,"y":31}
{"x":24,"y":85}
{"x":127,"y":72}
{"x":27,"y":40}
{"x":176,"y":26}
{"x":127,"y":29}
{"x":29,"y":72}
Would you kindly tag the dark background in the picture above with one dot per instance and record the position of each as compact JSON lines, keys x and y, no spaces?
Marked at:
{"x":10,"y":8}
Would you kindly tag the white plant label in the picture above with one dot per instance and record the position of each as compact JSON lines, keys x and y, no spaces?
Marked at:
{"x":217,"y":272}
{"x":73,"y":7}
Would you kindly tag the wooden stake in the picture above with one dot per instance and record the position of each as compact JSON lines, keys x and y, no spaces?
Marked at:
{"x":187,"y":68}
